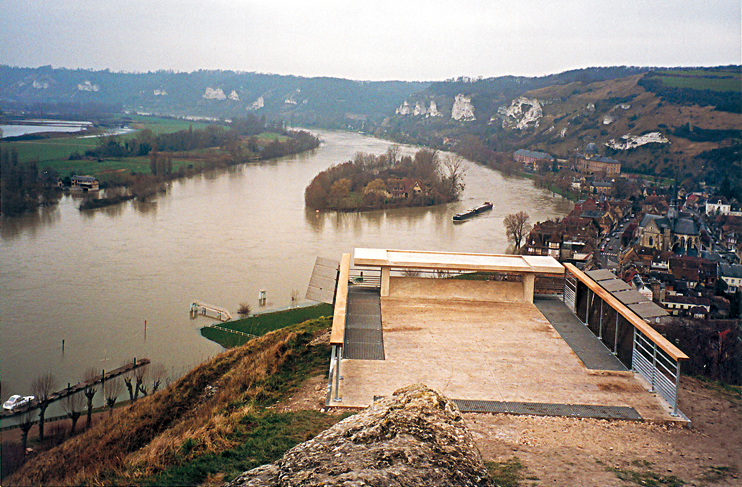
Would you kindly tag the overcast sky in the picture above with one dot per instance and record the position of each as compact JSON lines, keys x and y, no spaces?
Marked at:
{"x":370,"y":40}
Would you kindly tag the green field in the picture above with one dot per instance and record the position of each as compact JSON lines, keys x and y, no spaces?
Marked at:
{"x":697,"y":83}
{"x":264,"y":323}
{"x":722,"y":80}
{"x":56,"y":149}
{"x":717,"y":73}
{"x":55,"y":152}
{"x":164,"y":125}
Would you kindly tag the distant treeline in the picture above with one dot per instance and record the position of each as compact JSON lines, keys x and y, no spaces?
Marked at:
{"x":697,"y":134}
{"x":387,"y":181}
{"x":22,"y":189}
{"x":223,"y":147}
{"x":145,"y":141}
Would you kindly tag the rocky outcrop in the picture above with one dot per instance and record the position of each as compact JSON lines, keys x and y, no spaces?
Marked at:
{"x":257,"y":104}
{"x":415,"y":437}
{"x":87,"y":86}
{"x":214,"y":94}
{"x":522,"y":114}
{"x":462,"y":109}
{"x":419,"y":110}
{"x":629,"y":141}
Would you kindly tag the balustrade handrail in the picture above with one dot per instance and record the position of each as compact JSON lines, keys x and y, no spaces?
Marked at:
{"x":337,"y":336}
{"x":638,"y":323}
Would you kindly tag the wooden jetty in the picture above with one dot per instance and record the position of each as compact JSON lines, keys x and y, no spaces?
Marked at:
{"x":80,"y":386}
{"x":203,"y":309}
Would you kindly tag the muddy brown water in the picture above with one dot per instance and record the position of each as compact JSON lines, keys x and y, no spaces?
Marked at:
{"x":93,"y":278}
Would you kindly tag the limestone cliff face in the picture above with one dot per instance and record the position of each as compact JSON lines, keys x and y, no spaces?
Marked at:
{"x":463,"y":109}
{"x":522,"y":114}
{"x":415,"y":437}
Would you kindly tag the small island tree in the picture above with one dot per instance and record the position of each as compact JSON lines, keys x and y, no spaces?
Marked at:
{"x":387,"y":181}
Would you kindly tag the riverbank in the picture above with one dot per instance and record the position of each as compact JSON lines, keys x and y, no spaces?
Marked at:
{"x":218,"y":237}
{"x":133,"y":163}
{"x":249,"y":405}
{"x":258,"y":325}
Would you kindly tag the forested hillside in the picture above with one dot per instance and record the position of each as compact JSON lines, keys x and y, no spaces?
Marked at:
{"x":677,"y":122}
{"x":682,"y":123}
{"x":326,"y":102}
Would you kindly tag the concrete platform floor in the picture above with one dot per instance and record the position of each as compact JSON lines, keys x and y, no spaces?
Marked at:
{"x":486,"y":350}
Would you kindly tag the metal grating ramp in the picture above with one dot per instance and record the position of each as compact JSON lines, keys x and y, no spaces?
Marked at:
{"x":590,"y":350}
{"x":543,"y":409}
{"x":364,"y":338}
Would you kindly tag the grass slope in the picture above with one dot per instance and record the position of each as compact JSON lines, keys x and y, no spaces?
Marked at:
{"x":214,"y":419}
{"x":261,"y":324}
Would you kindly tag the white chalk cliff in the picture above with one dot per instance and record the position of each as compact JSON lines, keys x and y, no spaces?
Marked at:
{"x":463,"y":110}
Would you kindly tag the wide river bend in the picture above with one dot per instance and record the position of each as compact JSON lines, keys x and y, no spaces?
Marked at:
{"x":93,"y":278}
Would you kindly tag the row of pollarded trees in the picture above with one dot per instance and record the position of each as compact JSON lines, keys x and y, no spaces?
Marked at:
{"x":143,"y":380}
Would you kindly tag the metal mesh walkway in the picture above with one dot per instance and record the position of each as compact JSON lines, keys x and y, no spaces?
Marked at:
{"x":545,"y":409}
{"x":593,"y":353}
{"x":363,"y":334}
{"x":540,"y":409}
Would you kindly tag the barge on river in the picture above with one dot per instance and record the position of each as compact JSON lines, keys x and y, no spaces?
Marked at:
{"x":472,"y":211}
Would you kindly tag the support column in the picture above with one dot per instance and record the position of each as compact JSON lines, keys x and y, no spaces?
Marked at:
{"x":337,"y":373}
{"x":385,"y":273}
{"x":529,"y":282}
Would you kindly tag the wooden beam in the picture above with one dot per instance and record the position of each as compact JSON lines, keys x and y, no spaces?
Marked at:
{"x":628,"y":314}
{"x":337,"y":337}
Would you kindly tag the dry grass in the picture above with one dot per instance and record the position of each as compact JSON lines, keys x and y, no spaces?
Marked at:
{"x":196,"y":415}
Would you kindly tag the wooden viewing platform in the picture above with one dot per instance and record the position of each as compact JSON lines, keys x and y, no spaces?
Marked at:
{"x":80,"y":386}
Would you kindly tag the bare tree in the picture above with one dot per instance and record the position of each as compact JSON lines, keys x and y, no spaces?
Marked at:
{"x":42,"y":387}
{"x":25,"y":425}
{"x":90,"y":389}
{"x":130,"y":381}
{"x":72,"y":405}
{"x":516,"y":227}
{"x":157,"y":374}
{"x":140,"y":375}
{"x":244,"y":310}
{"x":392,"y":154}
{"x":111,"y":391}
{"x":453,"y":177}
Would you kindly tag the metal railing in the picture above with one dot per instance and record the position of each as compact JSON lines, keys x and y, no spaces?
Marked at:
{"x":334,"y":375}
{"x":657,"y":367}
{"x":652,"y":356}
{"x":365,"y":277}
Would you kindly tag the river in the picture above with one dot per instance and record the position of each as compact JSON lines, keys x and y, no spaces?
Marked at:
{"x":93,"y":278}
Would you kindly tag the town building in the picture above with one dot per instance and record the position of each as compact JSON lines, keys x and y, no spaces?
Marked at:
{"x":593,"y":163}
{"x":85,"y":183}
{"x":534,"y":160}
{"x":697,"y":307}
{"x":670,"y":232}
{"x":731,"y":275}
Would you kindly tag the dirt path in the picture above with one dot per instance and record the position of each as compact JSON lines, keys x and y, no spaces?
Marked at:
{"x":586,"y":452}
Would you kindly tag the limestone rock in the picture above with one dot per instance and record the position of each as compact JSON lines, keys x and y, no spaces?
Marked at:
{"x":415,"y":437}
{"x":462,"y":109}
